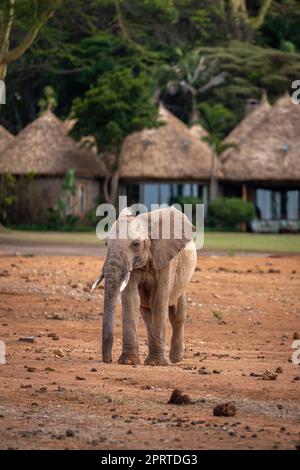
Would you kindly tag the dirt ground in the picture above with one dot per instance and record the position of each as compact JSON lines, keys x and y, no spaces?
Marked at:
{"x":56,"y":394}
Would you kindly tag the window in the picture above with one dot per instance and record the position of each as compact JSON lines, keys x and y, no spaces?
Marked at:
{"x":277,"y":205}
{"x":164,"y":193}
{"x":81,"y":196}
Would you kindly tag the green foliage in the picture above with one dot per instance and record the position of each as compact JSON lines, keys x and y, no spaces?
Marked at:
{"x":215,"y":118}
{"x":120,"y":103}
{"x":185,"y":48}
{"x":49,"y":100}
{"x":191,"y":200}
{"x":228,"y":213}
{"x":69,"y":183}
{"x":60,"y":216}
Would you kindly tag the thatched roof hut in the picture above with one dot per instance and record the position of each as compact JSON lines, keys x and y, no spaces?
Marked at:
{"x":170,"y":152}
{"x":44,"y":147}
{"x":5,"y":138}
{"x":268,"y":145}
{"x":198,"y":131}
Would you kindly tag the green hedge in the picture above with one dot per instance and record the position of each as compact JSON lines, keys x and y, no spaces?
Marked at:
{"x":228,"y":213}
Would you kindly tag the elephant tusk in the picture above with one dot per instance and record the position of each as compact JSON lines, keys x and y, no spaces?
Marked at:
{"x":98,"y":281}
{"x":125,"y":281}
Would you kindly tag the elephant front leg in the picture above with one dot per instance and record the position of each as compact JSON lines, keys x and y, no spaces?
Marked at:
{"x":177,"y":315}
{"x":130,"y":317}
{"x":156,"y":333}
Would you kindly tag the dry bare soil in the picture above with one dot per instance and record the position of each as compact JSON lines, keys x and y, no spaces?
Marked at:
{"x":55,"y":393}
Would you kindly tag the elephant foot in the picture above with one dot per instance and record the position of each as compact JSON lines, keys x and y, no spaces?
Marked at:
{"x":131,"y":359}
{"x":157,"y":361}
{"x":176,"y":353}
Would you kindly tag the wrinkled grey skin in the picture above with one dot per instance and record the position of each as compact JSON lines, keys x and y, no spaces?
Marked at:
{"x":154,"y":274}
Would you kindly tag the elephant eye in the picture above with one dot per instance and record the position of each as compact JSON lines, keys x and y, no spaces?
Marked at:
{"x":136,"y":243}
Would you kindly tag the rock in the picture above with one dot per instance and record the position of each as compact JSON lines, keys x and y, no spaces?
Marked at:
{"x":30,"y":369}
{"x":58,"y":353}
{"x":225,"y":409}
{"x":24,"y":386}
{"x":93,"y":369}
{"x":297,"y":377}
{"x":179,"y":398}
{"x":49,"y":369}
{"x":79,"y":377}
{"x":269,"y":375}
{"x":70,"y":433}
{"x":27,"y":339}
{"x":296,"y":335}
{"x":279,"y":370}
{"x":203,"y":371}
{"x":55,"y":316}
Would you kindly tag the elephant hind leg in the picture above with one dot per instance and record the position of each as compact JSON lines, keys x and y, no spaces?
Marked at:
{"x":177,"y":315}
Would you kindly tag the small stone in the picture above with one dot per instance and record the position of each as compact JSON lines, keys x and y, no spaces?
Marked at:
{"x":54,"y":336}
{"x":297,"y":377}
{"x":70,"y":433}
{"x":30,"y":369}
{"x":58,"y":353}
{"x":79,"y":377}
{"x":225,"y":409}
{"x":25,"y":386}
{"x":296,"y":335}
{"x":269,"y":375}
{"x":279,"y":370}
{"x":179,"y":398}
{"x":27,"y":339}
{"x":49,"y":369}
{"x":93,"y":369}
{"x":55,"y":316}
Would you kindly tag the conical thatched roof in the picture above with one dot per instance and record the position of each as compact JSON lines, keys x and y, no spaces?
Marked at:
{"x":198,"y":131}
{"x":269,"y":145}
{"x":43,"y":147}
{"x":170,"y":152}
{"x":5,"y":138}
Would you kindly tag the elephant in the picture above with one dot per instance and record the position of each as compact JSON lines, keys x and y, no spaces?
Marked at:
{"x":152,"y":273}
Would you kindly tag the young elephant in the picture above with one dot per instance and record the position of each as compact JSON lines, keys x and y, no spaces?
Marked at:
{"x":152,"y":272}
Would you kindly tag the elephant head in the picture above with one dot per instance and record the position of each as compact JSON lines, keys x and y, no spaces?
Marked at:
{"x":132,"y":242}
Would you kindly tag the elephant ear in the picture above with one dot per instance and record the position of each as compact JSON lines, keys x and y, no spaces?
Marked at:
{"x":170,"y":231}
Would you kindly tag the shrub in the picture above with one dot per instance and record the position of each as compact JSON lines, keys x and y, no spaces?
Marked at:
{"x":228,"y":213}
{"x":192,"y":200}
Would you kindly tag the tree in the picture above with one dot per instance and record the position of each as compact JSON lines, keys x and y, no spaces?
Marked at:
{"x":215,"y":120}
{"x":242,"y":22}
{"x":120,"y":103}
{"x":8,"y":14}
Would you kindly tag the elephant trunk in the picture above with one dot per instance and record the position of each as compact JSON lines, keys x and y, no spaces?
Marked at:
{"x":110,"y":301}
{"x":116,"y":279}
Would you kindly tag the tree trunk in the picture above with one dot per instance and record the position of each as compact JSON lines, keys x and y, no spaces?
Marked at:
{"x":111,"y":187}
{"x":6,"y":55}
{"x":213,"y":187}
